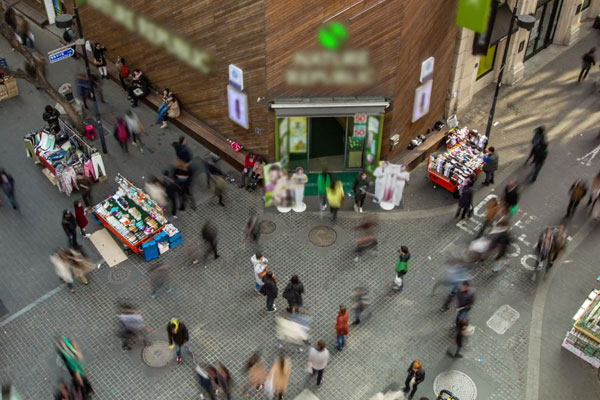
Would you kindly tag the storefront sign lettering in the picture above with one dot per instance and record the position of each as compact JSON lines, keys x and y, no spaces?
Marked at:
{"x":154,"y":33}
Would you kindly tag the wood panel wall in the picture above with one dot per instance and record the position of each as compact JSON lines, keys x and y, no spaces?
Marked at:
{"x":262,"y":36}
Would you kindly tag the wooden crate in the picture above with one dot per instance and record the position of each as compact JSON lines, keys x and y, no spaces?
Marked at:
{"x":9,"y":89}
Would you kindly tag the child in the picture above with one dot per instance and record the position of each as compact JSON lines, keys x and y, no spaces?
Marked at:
{"x":401,"y":268}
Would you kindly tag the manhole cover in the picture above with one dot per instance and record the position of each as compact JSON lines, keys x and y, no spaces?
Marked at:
{"x":267,"y":227}
{"x":322,"y":236}
{"x":118,"y":275}
{"x":503,"y":319}
{"x":456,"y":382}
{"x":158,"y":354}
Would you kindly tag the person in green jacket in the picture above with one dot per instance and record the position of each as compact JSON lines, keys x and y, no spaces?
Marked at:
{"x":401,"y":267}
{"x":323,"y":182}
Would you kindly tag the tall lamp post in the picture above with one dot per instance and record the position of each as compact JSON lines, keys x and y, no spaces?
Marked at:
{"x":66,"y":22}
{"x":523,"y":21}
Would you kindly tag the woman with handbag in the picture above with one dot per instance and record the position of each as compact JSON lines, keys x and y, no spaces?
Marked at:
{"x":138,"y":88}
{"x":100,"y":60}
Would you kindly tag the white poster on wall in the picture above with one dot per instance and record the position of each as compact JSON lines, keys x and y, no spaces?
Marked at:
{"x":422,"y":100}
{"x":238,"y":107}
{"x":236,"y":77}
{"x":427,"y":69}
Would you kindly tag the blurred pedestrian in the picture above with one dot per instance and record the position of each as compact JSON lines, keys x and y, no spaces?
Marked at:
{"x":183,"y":174}
{"x":539,"y":152}
{"x":81,"y":388}
{"x":293,"y":294}
{"x":209,"y":235}
{"x":461,"y":327}
{"x":84,"y":184}
{"x":182,"y":152}
{"x":100,"y":60}
{"x":317,"y":360}
{"x":62,"y":392}
{"x":279,"y":376}
{"x":465,"y":201}
{"x":259,"y":264}
{"x":80,"y":265}
{"x":69,"y":225}
{"x":416,"y":375}
{"x":453,"y":275}
{"x":269,"y":289}
{"x":253,"y":230}
{"x":80,"y":218}
{"x":178,"y":336}
{"x":71,"y":356}
{"x":401,"y":267}
{"x":136,"y":128}
{"x":62,"y":268}
{"x":138,"y":88}
{"x":8,"y":187}
{"x":587,"y":61}
{"x":160,"y":279}
{"x":249,"y":162}
{"x":123,"y":71}
{"x":511,"y":198}
{"x":121,"y":133}
{"x":492,"y":209}
{"x":360,"y":188}
{"x":466,"y":299}
{"x":207,"y":376}
{"x":360,"y":304}
{"x":341,"y":327}
{"x":577,"y":192}
{"x":224,"y":380}
{"x":132,"y":325}
{"x":594,"y":191}
{"x":219,"y":187}
{"x":367,"y":239}
{"x":257,"y":373}
{"x":210,"y":168}
{"x":164,"y":107}
{"x":491,"y":165}
{"x":156,"y":190}
{"x":172,"y":189}
{"x":323,"y":182}
{"x":51,"y":116}
{"x":335,"y":197}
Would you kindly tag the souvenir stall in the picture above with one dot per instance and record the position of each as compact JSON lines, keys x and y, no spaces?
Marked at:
{"x":462,"y":158}
{"x":583,"y":339}
{"x":137,"y":220}
{"x":64,"y":155}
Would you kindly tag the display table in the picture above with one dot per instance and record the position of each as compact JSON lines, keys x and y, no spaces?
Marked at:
{"x":583,"y":339}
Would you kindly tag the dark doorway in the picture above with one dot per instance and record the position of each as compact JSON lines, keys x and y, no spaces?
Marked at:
{"x":542,"y":34}
{"x":327,"y":143}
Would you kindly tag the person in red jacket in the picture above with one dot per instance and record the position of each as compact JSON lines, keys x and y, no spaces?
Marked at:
{"x":249,"y":162}
{"x":80,"y":217}
{"x":341,"y":327}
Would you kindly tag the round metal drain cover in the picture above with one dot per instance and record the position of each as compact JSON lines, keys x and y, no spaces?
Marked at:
{"x":118,"y":275}
{"x":157,"y":354}
{"x":322,"y":236}
{"x":459,"y":383}
{"x":267,"y":227}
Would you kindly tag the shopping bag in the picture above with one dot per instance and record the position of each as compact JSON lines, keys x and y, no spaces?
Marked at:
{"x":270,"y":386}
{"x":398,"y":281}
{"x":480,"y":245}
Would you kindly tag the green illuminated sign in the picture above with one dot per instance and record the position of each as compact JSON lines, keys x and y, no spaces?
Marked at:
{"x":333,"y":35}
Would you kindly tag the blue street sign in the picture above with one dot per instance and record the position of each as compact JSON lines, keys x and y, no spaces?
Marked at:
{"x":61,"y":55}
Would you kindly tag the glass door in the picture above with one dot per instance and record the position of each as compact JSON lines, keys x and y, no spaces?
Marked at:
{"x":542,"y":33}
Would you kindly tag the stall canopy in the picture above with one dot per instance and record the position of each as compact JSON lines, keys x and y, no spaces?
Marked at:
{"x":502,"y":24}
{"x":329,"y":106}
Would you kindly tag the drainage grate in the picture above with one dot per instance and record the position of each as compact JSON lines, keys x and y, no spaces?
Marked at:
{"x":456,"y":382}
{"x":503,"y":319}
{"x":322,"y":236}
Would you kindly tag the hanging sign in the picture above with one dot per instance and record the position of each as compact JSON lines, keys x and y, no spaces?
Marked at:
{"x":238,"y":107}
{"x":427,"y":69}
{"x":298,"y":134}
{"x":360,"y":125}
{"x":236,"y":77}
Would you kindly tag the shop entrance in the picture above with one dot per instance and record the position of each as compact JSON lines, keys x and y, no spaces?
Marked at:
{"x":546,"y":19}
{"x":327,"y":143}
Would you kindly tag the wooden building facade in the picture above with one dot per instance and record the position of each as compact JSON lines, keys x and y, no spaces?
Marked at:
{"x":268,"y":40}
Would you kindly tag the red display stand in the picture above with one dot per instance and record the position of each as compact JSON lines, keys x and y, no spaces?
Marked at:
{"x":136,"y":248}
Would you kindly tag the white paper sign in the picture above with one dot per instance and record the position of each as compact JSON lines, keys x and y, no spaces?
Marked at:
{"x":236,"y":77}
{"x":238,"y":107}
{"x":427,"y":69}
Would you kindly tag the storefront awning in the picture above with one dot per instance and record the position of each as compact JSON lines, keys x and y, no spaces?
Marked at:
{"x":501,"y":25}
{"x":329,"y":106}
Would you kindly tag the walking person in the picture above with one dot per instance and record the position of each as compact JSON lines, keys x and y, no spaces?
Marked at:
{"x":207,"y":376}
{"x":492,"y":209}
{"x":249,"y":162}
{"x":81,"y":388}
{"x":367,"y":239}
{"x":209,"y":235}
{"x":159,"y":277}
{"x":416,"y":375}
{"x":335,"y":197}
{"x":465,"y":201}
{"x":100,"y":60}
{"x":279,"y":376}
{"x":401,"y":267}
{"x":80,"y":265}
{"x":510,"y":198}
{"x":157,"y":192}
{"x":577,"y":192}
{"x":466,"y":299}
{"x":587,"y":61}
{"x":132,"y":325}
{"x":257,"y":373}
{"x":342,"y":327}
{"x":459,"y":339}
{"x":269,"y":289}
{"x":253,"y":230}
{"x":62,"y":268}
{"x":224,"y":380}
{"x":164,"y":107}
{"x":360,"y":305}
{"x":71,"y":355}
{"x":69,"y":225}
{"x":182,"y":175}
{"x":80,"y":218}
{"x":491,"y":165}
{"x":259,"y":264}
{"x":594,"y":191}
{"x":62,"y":392}
{"x":323,"y":182}
{"x":121,"y":133}
{"x":136,"y":128}
{"x":182,"y":152}
{"x":539,"y":152}
{"x":293,"y":294}
{"x":84,"y":184}
{"x":178,"y":336}
{"x":8,"y":187}
{"x":219,"y":188}
{"x":173,"y":191}
{"x":360,"y":187}
{"x":123,"y":72}
{"x":317,"y":360}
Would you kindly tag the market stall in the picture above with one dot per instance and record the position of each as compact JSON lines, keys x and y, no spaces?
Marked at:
{"x":583,"y":339}
{"x":64,"y":155}
{"x":463,"y":157}
{"x":137,"y":220}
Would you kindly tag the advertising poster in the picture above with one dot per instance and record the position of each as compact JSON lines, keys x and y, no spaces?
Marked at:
{"x":394,"y":179}
{"x":283,"y":141}
{"x":360,"y":125}
{"x":238,"y":106}
{"x":298,"y":134}
{"x":372,"y":146}
{"x":272,"y":174}
{"x":422,"y":100}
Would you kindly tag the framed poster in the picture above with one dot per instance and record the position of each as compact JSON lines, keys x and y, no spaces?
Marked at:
{"x":298,"y":134}
{"x":427,"y":69}
{"x":282,"y":141}
{"x":236,"y":77}
{"x":372,"y":145}
{"x":422,"y":100}
{"x":238,"y":107}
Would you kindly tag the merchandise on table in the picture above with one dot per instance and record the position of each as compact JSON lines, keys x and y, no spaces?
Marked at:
{"x":583,"y":339}
{"x":65,"y":154}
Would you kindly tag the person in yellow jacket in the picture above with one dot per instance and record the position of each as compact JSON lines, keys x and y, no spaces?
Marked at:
{"x":335,"y":197}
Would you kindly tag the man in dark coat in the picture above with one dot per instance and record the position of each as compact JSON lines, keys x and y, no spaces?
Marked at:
{"x":173,"y":190}
{"x":69,"y":225}
{"x":178,"y":336}
{"x":293,"y":294}
{"x":587,"y":61}
{"x":465,"y":200}
{"x":209,"y":234}
{"x":181,"y":150}
{"x":416,"y":375}
{"x":8,"y":186}
{"x":269,"y":289}
{"x":51,"y":115}
{"x":490,"y":166}
{"x":539,"y":152}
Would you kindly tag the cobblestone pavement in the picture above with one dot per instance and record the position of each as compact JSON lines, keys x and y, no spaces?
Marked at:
{"x":227,"y":320}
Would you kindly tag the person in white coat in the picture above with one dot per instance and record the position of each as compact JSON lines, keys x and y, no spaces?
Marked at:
{"x":318,"y":359}
{"x":259,"y":263}
{"x":62,"y":267}
{"x":379,"y":174}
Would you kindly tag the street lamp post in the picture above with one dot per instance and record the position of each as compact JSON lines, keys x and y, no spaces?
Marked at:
{"x":524,"y":21}
{"x":89,"y":74}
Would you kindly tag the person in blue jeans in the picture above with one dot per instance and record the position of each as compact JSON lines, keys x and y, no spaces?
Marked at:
{"x":178,"y":336}
{"x":269,"y":289}
{"x":167,"y":99}
{"x":341,"y":327}
{"x":491,"y":165}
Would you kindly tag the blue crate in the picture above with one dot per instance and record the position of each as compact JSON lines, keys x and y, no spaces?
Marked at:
{"x":176,"y":243}
{"x":150,"y":250}
{"x":161,"y":237}
{"x":175,"y":237}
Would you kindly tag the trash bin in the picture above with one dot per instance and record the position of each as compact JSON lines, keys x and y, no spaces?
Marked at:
{"x":597,"y":22}
{"x":66,"y":90}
